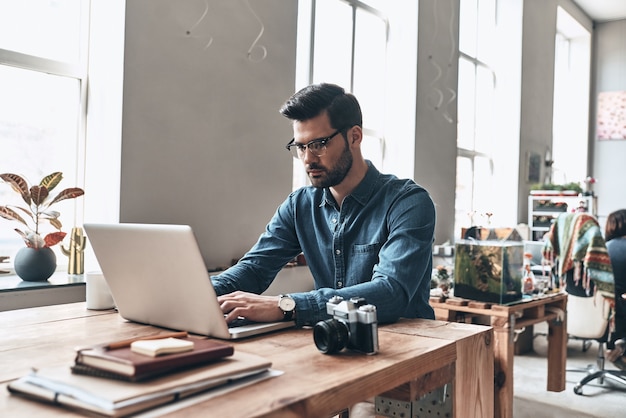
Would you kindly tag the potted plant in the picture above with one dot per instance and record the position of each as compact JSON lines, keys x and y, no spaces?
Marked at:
{"x":37,"y":261}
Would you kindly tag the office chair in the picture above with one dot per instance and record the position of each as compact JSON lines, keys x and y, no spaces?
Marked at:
{"x":575,"y":246}
{"x":588,"y":319}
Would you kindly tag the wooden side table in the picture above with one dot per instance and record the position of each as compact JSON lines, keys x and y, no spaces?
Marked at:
{"x":505,"y":320}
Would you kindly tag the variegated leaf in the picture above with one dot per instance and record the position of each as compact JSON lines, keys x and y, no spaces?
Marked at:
{"x":26,"y":212}
{"x":10,"y":214}
{"x":70,"y":193}
{"x":51,"y":180}
{"x":54,"y":238}
{"x":38,"y":194}
{"x":56,"y":223}
{"x":18,"y":184}
{"x":49,"y":214}
{"x":24,"y":237}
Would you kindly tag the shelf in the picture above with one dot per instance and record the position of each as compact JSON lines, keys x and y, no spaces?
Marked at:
{"x":540,"y":205}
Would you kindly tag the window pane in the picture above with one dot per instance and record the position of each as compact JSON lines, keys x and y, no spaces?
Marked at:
{"x":486,"y":30}
{"x":466,"y":102}
{"x":483,"y":191}
{"x":571,"y":100}
{"x":467,"y":26}
{"x":484,"y":110}
{"x":333,"y":43}
{"x":38,"y":135}
{"x":464,"y":192}
{"x":370,"y":58}
{"x":44,"y":28}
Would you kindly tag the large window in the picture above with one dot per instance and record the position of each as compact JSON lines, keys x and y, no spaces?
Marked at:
{"x":57,"y":57}
{"x":488,"y":113}
{"x":571,"y":100}
{"x":347,"y":42}
{"x":43,"y":71}
{"x":475,"y":136}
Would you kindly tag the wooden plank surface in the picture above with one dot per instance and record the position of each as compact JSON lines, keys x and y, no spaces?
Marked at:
{"x":313,"y":384}
{"x":474,"y":369}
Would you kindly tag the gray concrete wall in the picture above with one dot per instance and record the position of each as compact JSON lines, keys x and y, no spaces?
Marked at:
{"x":202,"y":139}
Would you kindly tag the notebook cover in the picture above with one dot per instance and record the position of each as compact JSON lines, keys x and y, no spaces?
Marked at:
{"x":123,"y":361}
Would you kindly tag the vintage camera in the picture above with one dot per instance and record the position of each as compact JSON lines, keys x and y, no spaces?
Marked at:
{"x":353,"y":326}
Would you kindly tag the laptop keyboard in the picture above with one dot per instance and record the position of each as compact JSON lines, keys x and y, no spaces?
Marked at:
{"x":239,"y":322}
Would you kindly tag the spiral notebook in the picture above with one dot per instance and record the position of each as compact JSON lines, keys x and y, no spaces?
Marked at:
{"x":157,"y":276}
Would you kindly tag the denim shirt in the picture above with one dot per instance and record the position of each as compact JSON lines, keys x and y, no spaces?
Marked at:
{"x":378,"y":245}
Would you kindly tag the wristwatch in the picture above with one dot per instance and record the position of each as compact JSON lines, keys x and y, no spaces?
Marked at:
{"x":287,"y":305}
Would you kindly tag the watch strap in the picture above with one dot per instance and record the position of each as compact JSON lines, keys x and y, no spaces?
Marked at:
{"x":287,"y":315}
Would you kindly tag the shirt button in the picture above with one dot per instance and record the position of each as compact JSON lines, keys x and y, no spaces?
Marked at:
{"x":337,"y":252}
{"x":339,"y":284}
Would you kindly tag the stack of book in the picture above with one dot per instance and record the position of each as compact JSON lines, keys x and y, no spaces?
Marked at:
{"x":117,"y":380}
{"x":125,"y":360}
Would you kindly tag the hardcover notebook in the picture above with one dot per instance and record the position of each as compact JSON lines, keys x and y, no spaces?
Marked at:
{"x":124,"y":364}
{"x":157,"y":276}
{"x":113,"y":398}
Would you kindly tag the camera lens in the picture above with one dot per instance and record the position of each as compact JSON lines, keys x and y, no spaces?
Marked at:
{"x":330,"y":336}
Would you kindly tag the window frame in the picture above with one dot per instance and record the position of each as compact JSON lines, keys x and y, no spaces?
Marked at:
{"x":307,"y":66}
{"x":77,"y":70}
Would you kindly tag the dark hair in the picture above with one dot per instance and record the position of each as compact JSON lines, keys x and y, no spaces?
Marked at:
{"x":343,"y":108}
{"x":615,"y":225}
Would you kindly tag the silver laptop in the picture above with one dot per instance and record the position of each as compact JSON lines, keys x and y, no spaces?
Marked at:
{"x":157,"y":276}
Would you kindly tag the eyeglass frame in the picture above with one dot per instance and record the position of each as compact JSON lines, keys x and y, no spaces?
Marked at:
{"x":307,"y":146}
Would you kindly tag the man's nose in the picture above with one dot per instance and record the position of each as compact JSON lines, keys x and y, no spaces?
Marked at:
{"x":309,"y":156}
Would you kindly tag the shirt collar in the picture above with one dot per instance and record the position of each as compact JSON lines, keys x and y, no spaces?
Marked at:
{"x":361,"y":193}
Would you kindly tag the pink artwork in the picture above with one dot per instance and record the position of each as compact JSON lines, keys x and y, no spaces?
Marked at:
{"x":611,"y":115}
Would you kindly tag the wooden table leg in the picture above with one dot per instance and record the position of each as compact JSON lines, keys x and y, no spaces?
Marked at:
{"x":503,"y":359}
{"x":474,"y":370}
{"x":557,"y":353}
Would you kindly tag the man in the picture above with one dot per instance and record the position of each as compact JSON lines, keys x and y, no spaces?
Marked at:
{"x":363,"y":233}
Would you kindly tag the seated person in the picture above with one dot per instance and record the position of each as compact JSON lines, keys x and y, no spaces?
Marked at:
{"x":586,"y":263}
{"x":363,"y":233}
{"x":575,"y":246}
{"x":615,"y":235}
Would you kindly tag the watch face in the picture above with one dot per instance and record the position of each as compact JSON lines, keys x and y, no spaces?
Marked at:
{"x":287,"y":304}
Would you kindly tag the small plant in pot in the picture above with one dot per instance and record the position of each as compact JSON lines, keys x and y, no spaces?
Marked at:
{"x":37,"y":261}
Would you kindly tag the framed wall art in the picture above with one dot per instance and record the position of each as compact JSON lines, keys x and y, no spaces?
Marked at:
{"x":611,"y":117}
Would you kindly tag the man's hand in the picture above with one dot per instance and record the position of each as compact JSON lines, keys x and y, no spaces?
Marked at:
{"x":250,"y":306}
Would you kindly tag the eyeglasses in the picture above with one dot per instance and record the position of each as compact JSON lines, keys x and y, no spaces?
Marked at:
{"x":316,"y":147}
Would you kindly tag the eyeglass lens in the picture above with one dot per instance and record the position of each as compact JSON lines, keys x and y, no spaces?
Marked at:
{"x":316,"y":148}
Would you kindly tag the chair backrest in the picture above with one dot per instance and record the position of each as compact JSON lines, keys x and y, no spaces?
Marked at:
{"x":587,"y":317}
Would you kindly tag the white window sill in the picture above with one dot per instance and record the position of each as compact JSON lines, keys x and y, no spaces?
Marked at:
{"x":16,"y":293}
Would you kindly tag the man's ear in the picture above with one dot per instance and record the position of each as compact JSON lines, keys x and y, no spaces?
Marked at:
{"x":356,"y":134}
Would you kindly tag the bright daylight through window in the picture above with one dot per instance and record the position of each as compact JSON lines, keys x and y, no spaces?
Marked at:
{"x":357,"y":55}
{"x":42,"y":78}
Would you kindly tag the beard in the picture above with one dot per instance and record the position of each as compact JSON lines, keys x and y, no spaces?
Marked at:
{"x":335,"y":175}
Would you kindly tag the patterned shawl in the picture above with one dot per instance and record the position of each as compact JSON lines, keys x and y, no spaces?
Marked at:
{"x":575,"y":242}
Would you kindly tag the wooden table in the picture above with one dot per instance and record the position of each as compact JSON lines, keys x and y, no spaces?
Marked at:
{"x":313,"y":384}
{"x":506,"y":319}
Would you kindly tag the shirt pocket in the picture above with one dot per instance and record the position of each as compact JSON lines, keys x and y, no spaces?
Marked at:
{"x":361,"y":263}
